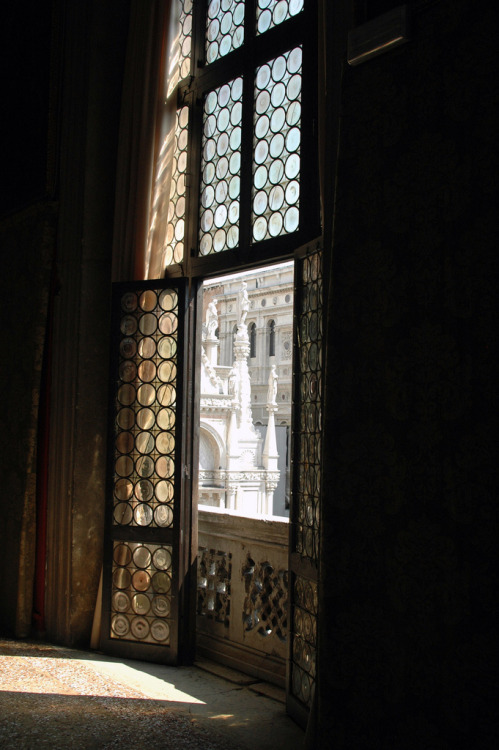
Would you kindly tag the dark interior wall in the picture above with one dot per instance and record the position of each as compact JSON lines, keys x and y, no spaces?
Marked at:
{"x":63,"y":74}
{"x":25,"y":47}
{"x":108,"y":35}
{"x":409,"y":616}
{"x":28,"y":242}
{"x":92,"y":48}
{"x":28,"y":220}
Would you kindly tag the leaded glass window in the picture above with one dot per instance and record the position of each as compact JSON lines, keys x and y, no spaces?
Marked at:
{"x":244,"y":151}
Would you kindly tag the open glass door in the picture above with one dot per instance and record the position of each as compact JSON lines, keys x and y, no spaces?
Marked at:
{"x":147,"y":559}
{"x":243,"y":193}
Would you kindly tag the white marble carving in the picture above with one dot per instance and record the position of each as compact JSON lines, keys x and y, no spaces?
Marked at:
{"x":249,"y":475}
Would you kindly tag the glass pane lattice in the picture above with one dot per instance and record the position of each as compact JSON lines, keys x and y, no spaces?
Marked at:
{"x":143,"y":552}
{"x":224,"y":28}
{"x":310,"y":428}
{"x":270,"y":13}
{"x":306,"y":495}
{"x":220,"y":167}
{"x":174,"y":250}
{"x":304,"y":639}
{"x":277,"y":136}
{"x":141,"y":592}
{"x":144,"y":456}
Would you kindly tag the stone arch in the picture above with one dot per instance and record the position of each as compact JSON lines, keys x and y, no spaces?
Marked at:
{"x":211,"y":449}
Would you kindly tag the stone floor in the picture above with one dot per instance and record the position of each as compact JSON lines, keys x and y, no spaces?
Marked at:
{"x":52,"y":697}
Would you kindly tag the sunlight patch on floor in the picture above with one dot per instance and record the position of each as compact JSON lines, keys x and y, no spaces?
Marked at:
{"x":48,"y":676}
{"x":156,"y":687}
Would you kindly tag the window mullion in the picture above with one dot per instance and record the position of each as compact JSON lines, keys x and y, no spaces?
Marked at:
{"x":247,"y":129}
{"x":246,"y":160}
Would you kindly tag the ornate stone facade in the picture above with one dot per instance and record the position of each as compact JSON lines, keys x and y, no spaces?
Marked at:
{"x":246,"y":391}
{"x":238,"y":468}
{"x":270,"y":296}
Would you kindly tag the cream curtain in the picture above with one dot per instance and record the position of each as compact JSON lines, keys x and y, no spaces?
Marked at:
{"x":146,"y":141}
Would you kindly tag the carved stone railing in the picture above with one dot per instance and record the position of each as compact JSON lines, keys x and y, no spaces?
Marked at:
{"x":242,"y":593}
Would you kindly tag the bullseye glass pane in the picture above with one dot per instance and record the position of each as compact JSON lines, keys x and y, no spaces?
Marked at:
{"x":221,"y":162}
{"x":304,"y":639}
{"x":276,"y":142}
{"x":224,"y":28}
{"x":270,"y":13}
{"x":144,"y":457}
{"x":141,"y":592}
{"x":174,"y":249}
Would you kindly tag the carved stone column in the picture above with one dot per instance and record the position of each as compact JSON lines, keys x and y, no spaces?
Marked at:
{"x":241,"y":353}
{"x":231,"y":495}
